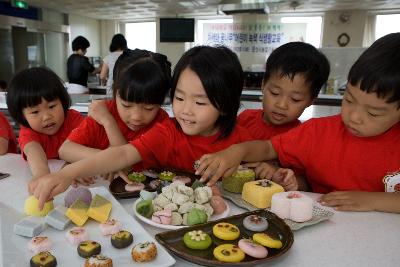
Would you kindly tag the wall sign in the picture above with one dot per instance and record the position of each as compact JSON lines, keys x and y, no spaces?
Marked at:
{"x":253,"y":37}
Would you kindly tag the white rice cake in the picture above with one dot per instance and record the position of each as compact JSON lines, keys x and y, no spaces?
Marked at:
{"x":57,"y":219}
{"x":29,"y":226}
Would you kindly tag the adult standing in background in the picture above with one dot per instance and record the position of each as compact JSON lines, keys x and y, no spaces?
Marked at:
{"x":79,"y":67}
{"x":118,"y":44}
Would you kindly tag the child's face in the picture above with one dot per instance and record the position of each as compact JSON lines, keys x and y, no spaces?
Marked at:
{"x":284,"y":100}
{"x":136,"y":115}
{"x":45,"y":118}
{"x":191,"y":106}
{"x":365,"y":115}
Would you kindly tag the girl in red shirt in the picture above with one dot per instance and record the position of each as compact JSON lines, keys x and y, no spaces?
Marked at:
{"x":39,"y":102}
{"x":8,"y":143}
{"x":142,"y":80}
{"x":205,"y":93}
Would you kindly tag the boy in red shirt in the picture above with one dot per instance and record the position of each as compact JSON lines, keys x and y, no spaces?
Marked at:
{"x":294,"y":75}
{"x":8,"y":143}
{"x":39,"y":102}
{"x":352,"y":158}
{"x":142,"y":80}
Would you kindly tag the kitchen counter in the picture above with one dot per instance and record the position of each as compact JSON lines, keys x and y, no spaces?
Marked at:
{"x":348,"y":239}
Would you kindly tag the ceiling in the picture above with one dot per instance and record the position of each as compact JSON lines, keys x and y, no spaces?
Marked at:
{"x":142,"y":9}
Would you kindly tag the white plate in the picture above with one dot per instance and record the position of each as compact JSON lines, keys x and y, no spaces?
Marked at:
{"x":15,"y":252}
{"x":174,"y":227}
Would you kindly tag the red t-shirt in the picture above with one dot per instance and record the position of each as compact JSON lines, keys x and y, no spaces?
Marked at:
{"x":7,"y":132}
{"x":252,"y":119}
{"x":166,"y":146}
{"x":335,"y":160}
{"x":51,"y":143}
{"x":92,"y":134}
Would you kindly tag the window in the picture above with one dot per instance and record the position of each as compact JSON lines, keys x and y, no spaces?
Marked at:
{"x":313,"y":30}
{"x":386,"y":24}
{"x":141,"y":35}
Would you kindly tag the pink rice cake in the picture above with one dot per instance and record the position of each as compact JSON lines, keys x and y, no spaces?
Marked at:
{"x":111,"y":226}
{"x":292,"y":205}
{"x":39,"y":244}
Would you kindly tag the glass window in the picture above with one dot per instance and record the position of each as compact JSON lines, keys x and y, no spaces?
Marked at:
{"x":141,"y":35}
{"x":313,"y":30}
{"x":386,"y":24}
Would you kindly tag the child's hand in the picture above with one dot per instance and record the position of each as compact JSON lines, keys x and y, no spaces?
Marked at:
{"x":83,"y":181}
{"x":99,"y":112}
{"x":348,"y":201}
{"x":108,"y":176}
{"x":47,"y":187}
{"x":286,"y":178}
{"x":214,"y":166}
{"x":263,"y":170}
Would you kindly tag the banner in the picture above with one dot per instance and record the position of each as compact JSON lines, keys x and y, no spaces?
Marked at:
{"x":253,"y":37}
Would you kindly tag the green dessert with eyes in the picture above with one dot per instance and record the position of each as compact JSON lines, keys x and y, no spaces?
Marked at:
{"x":137,"y":177}
{"x":43,"y":259}
{"x":235,"y":182}
{"x":166,"y":176}
{"x":198,"y":240}
{"x":88,"y":248}
{"x":122,"y":239}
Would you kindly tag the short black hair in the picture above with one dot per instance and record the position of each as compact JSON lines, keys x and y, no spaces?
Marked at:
{"x":141,"y":76}
{"x":80,"y":42}
{"x":377,"y":70}
{"x":118,"y":42}
{"x":221,"y":75}
{"x":299,"y":58}
{"x":28,"y":88}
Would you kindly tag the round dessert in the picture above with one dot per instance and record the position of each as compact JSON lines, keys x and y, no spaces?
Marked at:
{"x":111,"y":226}
{"x":155,"y":184}
{"x":166,"y":176}
{"x":228,"y":253}
{"x":144,"y":252}
{"x":162,"y":217}
{"x":218,"y":204}
{"x":134,"y":187}
{"x":145,"y":208}
{"x":43,"y":259}
{"x":81,"y":193}
{"x":252,"y":249}
{"x":226,"y":231}
{"x":76,"y":235}
{"x":255,"y":223}
{"x":215,"y":191}
{"x":267,"y":241}
{"x":39,"y":244}
{"x":235,"y":182}
{"x":182,"y":179}
{"x":292,"y":205}
{"x":31,"y":207}
{"x":98,"y":261}
{"x":137,"y":177}
{"x":150,"y":173}
{"x":197,"y":240}
{"x":196,"y":216}
{"x":88,"y":248}
{"x":122,"y":239}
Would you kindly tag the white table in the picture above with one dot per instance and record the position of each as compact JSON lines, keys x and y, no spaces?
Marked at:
{"x":348,"y":239}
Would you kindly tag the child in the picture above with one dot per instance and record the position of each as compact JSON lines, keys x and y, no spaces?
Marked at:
{"x":206,"y":89}
{"x":39,"y":102}
{"x":8,"y":143}
{"x":142,"y":82}
{"x":294,"y":75}
{"x":352,"y":153}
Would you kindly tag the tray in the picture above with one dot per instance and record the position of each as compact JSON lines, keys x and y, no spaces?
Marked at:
{"x":319,"y":214}
{"x":117,"y":186}
{"x":15,"y":252}
{"x":172,"y":240}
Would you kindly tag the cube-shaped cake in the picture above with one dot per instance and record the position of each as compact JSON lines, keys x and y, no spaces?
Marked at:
{"x":259,"y":193}
{"x":99,"y":209}
{"x":77,"y":212}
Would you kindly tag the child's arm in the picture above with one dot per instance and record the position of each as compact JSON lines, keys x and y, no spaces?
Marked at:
{"x":111,"y":159}
{"x":99,"y":112}
{"x":3,"y":145}
{"x":362,"y":201}
{"x":286,"y":178}
{"x":225,"y":162}
{"x":263,"y":170}
{"x":37,"y":159}
{"x":71,"y":151}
